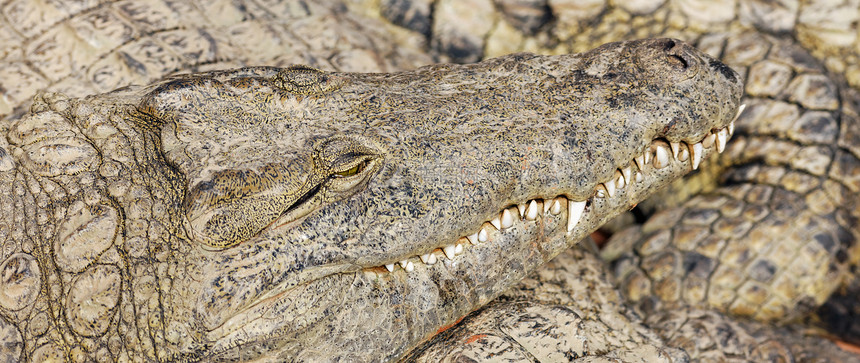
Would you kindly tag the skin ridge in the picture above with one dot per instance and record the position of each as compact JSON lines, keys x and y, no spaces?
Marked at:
{"x":818,"y":45}
{"x":174,"y":279}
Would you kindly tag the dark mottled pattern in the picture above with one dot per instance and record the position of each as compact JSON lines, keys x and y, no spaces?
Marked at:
{"x":248,"y":213}
{"x":70,"y":47}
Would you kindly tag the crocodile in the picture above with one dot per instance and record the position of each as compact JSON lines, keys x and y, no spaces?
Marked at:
{"x":283,"y":197}
{"x":98,"y":49}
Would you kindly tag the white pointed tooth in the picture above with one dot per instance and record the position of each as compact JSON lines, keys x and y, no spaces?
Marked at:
{"x":462,"y":242}
{"x":458,"y":249}
{"x":620,"y":182}
{"x":647,"y":157}
{"x":450,"y":251}
{"x":404,"y":263}
{"x":556,"y":206}
{"x":483,"y":236}
{"x":676,"y":147}
{"x":496,"y":223}
{"x":696,"y":151}
{"x":600,"y":191}
{"x":546,"y":206}
{"x":522,"y":209}
{"x":708,"y":141}
{"x":640,"y":161}
{"x":627,"y":172}
{"x":532,"y":211}
{"x":473,"y":238}
{"x":425,"y":257}
{"x":507,"y":219}
{"x":610,"y":188}
{"x":661,"y":155}
{"x":722,"y":137}
{"x":740,"y":111}
{"x":684,"y":154}
{"x":409,"y":267}
{"x":639,"y":177}
{"x":574,"y":213}
{"x":389,"y":267}
{"x":732,"y":124}
{"x":428,"y":258}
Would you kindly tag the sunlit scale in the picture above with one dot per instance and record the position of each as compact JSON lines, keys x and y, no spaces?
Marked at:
{"x":659,"y":155}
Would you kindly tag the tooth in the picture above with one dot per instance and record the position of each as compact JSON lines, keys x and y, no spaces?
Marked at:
{"x":389,"y":267}
{"x":610,"y":188}
{"x":483,"y":236}
{"x":574,"y":213}
{"x":696,"y":154}
{"x":722,"y":136}
{"x":522,"y":209}
{"x":620,"y":182}
{"x":556,"y":206}
{"x":507,"y":219}
{"x":450,"y":251}
{"x":407,"y":265}
{"x":458,"y":249}
{"x":546,"y":206}
{"x":647,"y":157}
{"x":639,"y":177}
{"x":627,"y":172}
{"x":708,"y":141}
{"x":600,"y":191}
{"x":732,"y":124}
{"x":675,"y":146}
{"x":473,"y":238}
{"x":661,"y":155}
{"x":496,"y":223}
{"x":429,"y":258}
{"x":740,"y":111}
{"x":684,"y":154}
{"x":462,"y":241}
{"x":532,"y":211}
{"x":640,"y":161}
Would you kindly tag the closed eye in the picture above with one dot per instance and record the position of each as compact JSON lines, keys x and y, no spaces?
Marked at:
{"x":358,"y":168}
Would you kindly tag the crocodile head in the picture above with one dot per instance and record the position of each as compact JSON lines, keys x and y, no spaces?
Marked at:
{"x":315,"y":215}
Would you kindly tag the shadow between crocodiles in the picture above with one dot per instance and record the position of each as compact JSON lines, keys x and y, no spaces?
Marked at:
{"x":352,"y":216}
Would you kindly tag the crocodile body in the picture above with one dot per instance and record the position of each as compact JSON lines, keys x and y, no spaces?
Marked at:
{"x":145,"y":295}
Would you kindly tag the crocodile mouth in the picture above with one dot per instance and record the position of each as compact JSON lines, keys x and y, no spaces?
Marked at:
{"x":561,"y":216}
{"x":660,"y":154}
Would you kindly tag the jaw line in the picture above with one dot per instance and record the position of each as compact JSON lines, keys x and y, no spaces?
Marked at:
{"x":550,"y":236}
{"x":543,"y":238}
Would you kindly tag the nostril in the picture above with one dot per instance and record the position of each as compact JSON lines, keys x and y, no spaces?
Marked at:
{"x":669,"y":44}
{"x":678,"y":61}
{"x":663,"y":44}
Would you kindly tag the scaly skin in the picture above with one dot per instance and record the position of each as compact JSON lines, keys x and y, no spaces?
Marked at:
{"x":79,"y":51}
{"x":248,"y":214}
{"x":781,"y":237}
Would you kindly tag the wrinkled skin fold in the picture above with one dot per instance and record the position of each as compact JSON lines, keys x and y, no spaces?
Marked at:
{"x":272,"y":198}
